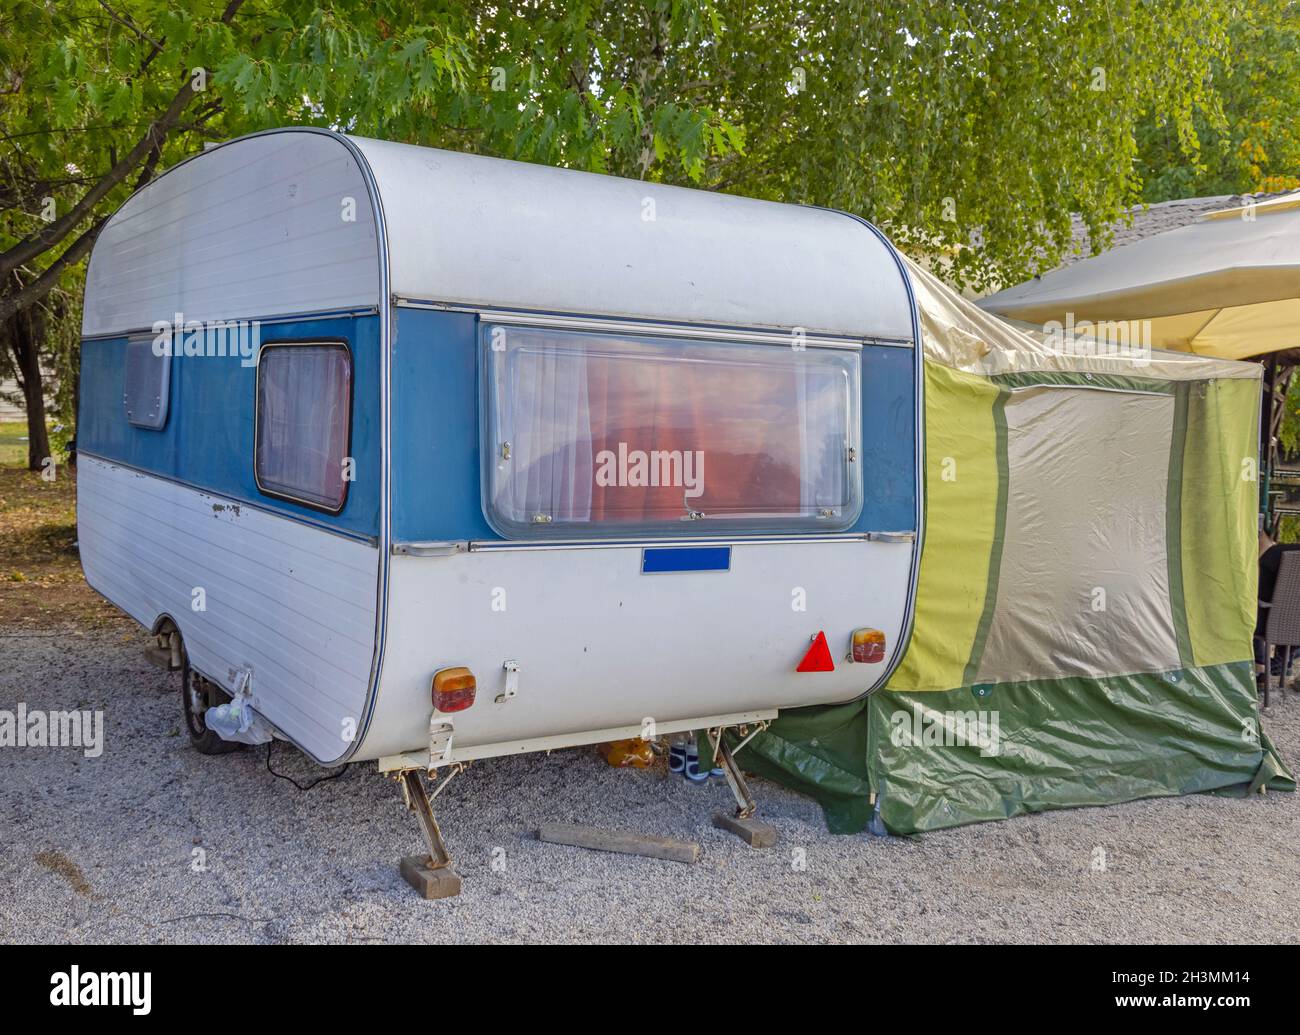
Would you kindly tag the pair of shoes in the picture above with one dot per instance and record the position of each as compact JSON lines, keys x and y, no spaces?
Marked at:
{"x":685,"y":759}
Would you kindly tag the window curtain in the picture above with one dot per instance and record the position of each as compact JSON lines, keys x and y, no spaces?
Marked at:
{"x":551,"y":466}
{"x":730,"y":431}
{"x":735,"y":420}
{"x":302,"y":413}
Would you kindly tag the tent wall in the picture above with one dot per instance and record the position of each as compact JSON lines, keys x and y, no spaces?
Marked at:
{"x":1080,"y":585}
{"x":1085,"y":603}
{"x":1062,"y":743}
{"x":963,"y":427}
{"x":1219,"y":549}
{"x":1133,"y":485}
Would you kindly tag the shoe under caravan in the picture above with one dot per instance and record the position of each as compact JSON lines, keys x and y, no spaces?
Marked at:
{"x":426,"y":457}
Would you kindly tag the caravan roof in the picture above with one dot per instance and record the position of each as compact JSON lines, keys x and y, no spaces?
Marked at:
{"x":292,"y":221}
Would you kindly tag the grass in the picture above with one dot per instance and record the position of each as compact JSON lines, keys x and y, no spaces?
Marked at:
{"x":13,"y":443}
{"x":40,"y":571}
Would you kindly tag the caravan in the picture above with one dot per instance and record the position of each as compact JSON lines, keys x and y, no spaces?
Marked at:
{"x":422,"y":457}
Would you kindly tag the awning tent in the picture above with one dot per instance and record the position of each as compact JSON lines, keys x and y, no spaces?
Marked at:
{"x":1227,"y":285}
{"x":1086,"y":596}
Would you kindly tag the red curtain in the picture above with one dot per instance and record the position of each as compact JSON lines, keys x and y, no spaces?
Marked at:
{"x":741,"y":420}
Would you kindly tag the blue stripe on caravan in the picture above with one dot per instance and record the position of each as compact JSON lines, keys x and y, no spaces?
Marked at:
{"x":436,"y":464}
{"x":207,"y":441}
{"x":659,"y":560}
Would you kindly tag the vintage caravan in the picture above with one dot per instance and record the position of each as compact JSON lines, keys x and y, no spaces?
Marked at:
{"x":427,"y":457}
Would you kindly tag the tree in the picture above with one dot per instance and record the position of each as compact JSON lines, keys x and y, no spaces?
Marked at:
{"x":100,"y":97}
{"x":1254,"y":143}
{"x":975,"y":129}
{"x":971,"y":129}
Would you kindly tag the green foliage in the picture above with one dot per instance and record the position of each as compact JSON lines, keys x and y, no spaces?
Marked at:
{"x":1253,"y":144}
{"x":61,"y":436}
{"x":85,"y":79}
{"x":972,"y":129}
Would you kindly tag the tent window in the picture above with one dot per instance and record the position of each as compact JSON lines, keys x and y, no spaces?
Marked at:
{"x":146,"y":384}
{"x":598,"y":434}
{"x":304,"y":408}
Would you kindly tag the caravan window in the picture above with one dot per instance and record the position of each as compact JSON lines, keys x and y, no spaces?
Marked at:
{"x":304,"y":414}
{"x":600,"y":434}
{"x":146,"y":383}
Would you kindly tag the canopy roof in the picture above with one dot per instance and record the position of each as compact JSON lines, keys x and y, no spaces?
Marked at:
{"x":959,"y":334}
{"x":1227,"y":285}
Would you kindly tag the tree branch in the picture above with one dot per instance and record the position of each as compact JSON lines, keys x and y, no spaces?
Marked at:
{"x":131,"y":25}
{"x":38,"y":288}
{"x":153,"y":138}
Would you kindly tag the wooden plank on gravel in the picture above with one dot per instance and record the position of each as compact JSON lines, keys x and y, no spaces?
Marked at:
{"x":600,"y":839}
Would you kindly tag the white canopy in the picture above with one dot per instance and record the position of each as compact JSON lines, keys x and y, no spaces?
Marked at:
{"x":1227,"y":285}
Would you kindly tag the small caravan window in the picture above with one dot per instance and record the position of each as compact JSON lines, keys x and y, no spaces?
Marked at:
{"x":146,"y":384}
{"x":602,"y":434}
{"x":304,"y":407}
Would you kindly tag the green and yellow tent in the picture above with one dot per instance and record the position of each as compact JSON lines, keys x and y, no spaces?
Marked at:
{"x":1086,"y":597}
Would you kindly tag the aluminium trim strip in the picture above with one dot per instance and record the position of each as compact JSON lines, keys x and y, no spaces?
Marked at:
{"x":386,"y":329}
{"x":632,"y":325}
{"x":450,"y":547}
{"x":918,"y":395}
{"x":301,"y":317}
{"x":422,"y":760}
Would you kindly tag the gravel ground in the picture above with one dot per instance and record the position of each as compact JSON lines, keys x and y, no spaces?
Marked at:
{"x":105,"y":849}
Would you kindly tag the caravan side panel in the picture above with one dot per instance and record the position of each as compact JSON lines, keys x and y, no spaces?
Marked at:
{"x":267,"y":225}
{"x":249,"y":590}
{"x":287,"y":591}
{"x":280,"y":233}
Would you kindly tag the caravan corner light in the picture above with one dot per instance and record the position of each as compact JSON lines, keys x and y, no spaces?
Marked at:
{"x":867,"y":646}
{"x":453,"y":689}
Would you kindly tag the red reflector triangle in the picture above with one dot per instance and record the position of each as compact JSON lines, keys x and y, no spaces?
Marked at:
{"x":818,"y":658}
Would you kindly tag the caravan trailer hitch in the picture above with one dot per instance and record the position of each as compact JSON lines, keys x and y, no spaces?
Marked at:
{"x":431,"y":874}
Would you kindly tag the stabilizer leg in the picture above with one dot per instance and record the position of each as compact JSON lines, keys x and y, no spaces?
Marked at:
{"x":431,"y":875}
{"x":744,"y":823}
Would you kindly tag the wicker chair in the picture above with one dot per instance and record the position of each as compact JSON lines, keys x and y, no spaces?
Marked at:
{"x":1282,"y":626}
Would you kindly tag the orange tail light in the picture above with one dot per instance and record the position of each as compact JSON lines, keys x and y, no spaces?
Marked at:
{"x":453,"y":689}
{"x":867,"y":646}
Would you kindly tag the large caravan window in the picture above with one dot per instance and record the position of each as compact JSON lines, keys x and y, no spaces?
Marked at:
{"x":597,"y":434}
{"x":146,"y":383}
{"x":304,"y":406}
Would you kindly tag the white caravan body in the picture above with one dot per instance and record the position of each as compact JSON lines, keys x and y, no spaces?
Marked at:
{"x":356,"y":412}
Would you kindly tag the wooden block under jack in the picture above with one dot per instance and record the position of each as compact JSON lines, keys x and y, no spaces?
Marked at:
{"x":443,"y":882}
{"x":752,"y":831}
{"x":602,"y":840}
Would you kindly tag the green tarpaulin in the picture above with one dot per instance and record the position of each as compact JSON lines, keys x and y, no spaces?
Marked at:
{"x":1086,"y":599}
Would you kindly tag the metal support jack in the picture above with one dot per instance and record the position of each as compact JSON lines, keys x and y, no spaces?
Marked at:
{"x":431,"y":875}
{"x":744,"y":823}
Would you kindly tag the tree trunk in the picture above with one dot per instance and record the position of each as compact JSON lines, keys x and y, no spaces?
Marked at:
{"x":22,"y":331}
